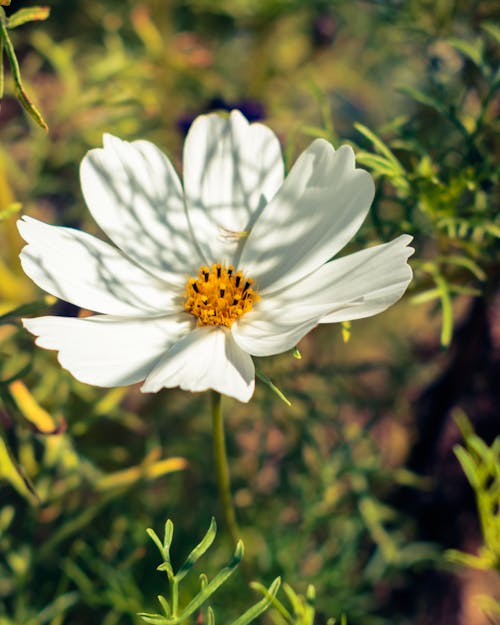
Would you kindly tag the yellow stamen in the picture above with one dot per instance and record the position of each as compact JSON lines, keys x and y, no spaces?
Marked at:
{"x":219,"y":296}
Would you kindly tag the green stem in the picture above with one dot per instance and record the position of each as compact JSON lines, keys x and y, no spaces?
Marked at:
{"x":174,"y":596}
{"x":222,"y":468}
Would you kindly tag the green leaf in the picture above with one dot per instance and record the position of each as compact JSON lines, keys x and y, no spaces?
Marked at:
{"x":164,"y":604}
{"x":468,"y":464}
{"x":28,"y":105}
{"x":33,"y":308}
{"x":277,"y":605}
{"x":378,"y":164}
{"x":155,"y":538}
{"x":446,"y":310}
{"x":252,"y":613}
{"x":492,"y":29}
{"x":423,"y":98}
{"x":168,"y":534}
{"x":153,"y":619}
{"x":198,"y":551}
{"x":20,"y":92}
{"x":210,"y":616}
{"x":29,"y":14}
{"x":263,"y":378}
{"x":215,"y":583}
{"x":380,"y":146}
{"x":425,"y":296}
{"x":473,"y":51}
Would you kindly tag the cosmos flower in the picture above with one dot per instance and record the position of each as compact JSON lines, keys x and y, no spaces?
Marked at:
{"x":202,"y":276}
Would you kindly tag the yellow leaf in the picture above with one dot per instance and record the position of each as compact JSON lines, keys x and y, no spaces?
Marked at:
{"x":127,"y":477}
{"x":32,"y":411}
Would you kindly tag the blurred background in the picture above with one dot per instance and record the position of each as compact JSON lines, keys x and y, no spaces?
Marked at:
{"x":355,"y":487}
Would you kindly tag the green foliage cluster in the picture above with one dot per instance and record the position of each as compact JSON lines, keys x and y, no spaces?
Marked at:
{"x":444,"y":184}
{"x":84,"y":471}
{"x":481,"y":465}
{"x":172,"y":614}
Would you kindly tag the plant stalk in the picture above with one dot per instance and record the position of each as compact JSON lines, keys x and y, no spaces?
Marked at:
{"x":222,"y":468}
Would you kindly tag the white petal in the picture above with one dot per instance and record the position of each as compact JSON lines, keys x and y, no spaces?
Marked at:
{"x":355,"y":286}
{"x":135,"y":196}
{"x":318,"y":209}
{"x":231,"y":170}
{"x":365,"y":283}
{"x":206,"y":358}
{"x":87,"y":272}
{"x":267,"y":333}
{"x":108,"y":351}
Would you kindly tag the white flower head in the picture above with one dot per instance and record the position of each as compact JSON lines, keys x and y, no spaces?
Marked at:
{"x":235,"y":263}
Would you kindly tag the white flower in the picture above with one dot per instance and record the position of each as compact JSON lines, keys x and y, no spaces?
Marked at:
{"x":232,"y":265}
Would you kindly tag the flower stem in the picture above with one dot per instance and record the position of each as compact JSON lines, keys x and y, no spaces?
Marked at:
{"x":222,"y":468}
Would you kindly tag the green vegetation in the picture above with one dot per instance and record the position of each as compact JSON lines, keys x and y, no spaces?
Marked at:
{"x":343,"y":474}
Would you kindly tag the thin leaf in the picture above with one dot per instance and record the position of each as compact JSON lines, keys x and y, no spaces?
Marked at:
{"x":378,"y":164}
{"x":210,"y":616}
{"x":310,"y":605}
{"x":423,"y":98}
{"x":153,"y":619}
{"x":469,"y":466}
{"x":198,"y":551}
{"x":33,"y":308}
{"x":29,"y":14}
{"x":31,"y":410}
{"x":293,"y":598}
{"x":472,"y":51}
{"x":263,"y":378}
{"x":164,"y":604}
{"x":21,"y":94}
{"x":155,"y":538}
{"x":168,"y":534}
{"x":492,"y":29}
{"x":132,"y":475}
{"x":252,"y":613}
{"x":379,"y":145}
{"x":277,"y":605}
{"x":425,"y":296}
{"x":215,"y":583}
{"x":446,"y":310}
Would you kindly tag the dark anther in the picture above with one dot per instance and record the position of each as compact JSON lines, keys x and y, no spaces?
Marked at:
{"x":195,"y":287}
{"x":229,"y":272}
{"x":222,"y":291}
{"x":247,"y":284}
{"x":218,"y":271}
{"x":237,"y":281}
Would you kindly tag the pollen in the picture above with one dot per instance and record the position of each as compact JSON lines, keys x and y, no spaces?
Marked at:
{"x":219,"y":295}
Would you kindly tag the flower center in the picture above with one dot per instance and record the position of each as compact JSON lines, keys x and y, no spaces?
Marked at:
{"x":219,"y":296}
